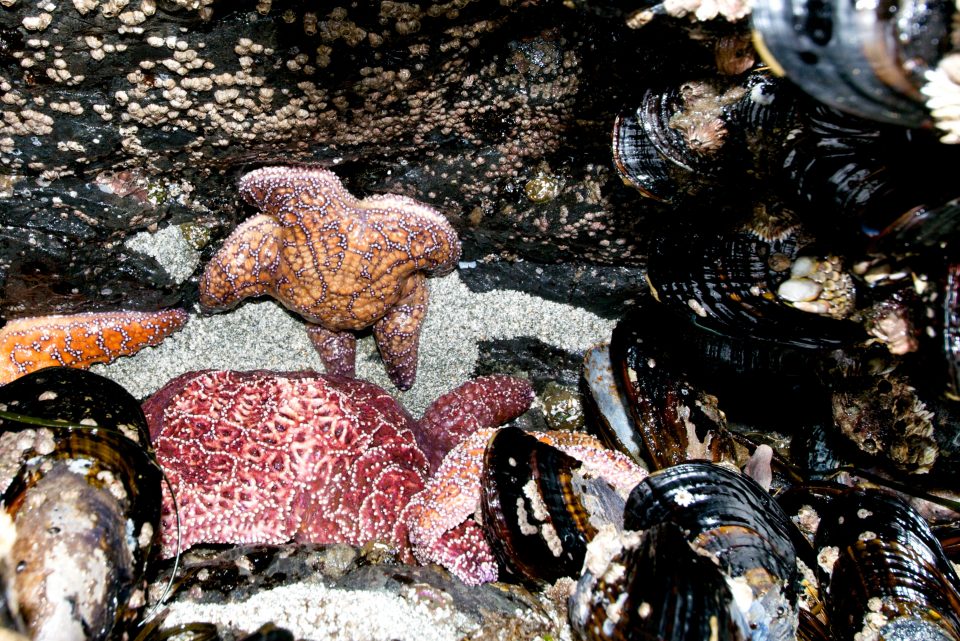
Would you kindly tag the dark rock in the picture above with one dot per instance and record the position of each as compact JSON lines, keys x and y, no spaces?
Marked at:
{"x":606,"y":290}
{"x":528,"y":357}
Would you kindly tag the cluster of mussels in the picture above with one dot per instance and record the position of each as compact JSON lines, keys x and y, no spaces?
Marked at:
{"x":802,"y":327}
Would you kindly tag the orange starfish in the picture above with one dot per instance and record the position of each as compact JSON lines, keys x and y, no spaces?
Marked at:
{"x":341,"y":263}
{"x":80,"y":340}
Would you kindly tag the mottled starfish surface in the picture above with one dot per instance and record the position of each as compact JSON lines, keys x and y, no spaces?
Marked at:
{"x":341,"y":263}
{"x":265,"y":457}
{"x":80,"y":340}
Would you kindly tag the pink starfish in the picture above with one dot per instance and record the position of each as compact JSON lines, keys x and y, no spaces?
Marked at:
{"x":272,"y":457}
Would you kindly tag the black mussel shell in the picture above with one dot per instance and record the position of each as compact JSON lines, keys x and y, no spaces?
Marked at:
{"x":951,"y":329}
{"x":869,"y":187}
{"x":805,"y":503}
{"x":883,"y":572}
{"x":923,"y":225}
{"x":764,"y":118}
{"x":816,"y":450}
{"x":725,"y":281}
{"x":848,"y":515}
{"x":700,"y":496}
{"x":672,"y":419}
{"x":683,"y":141}
{"x":76,"y":396}
{"x":731,"y":518}
{"x":677,"y":377}
{"x":269,"y":632}
{"x":651,"y":154}
{"x":85,"y":499}
{"x":934,"y":367}
{"x":858,"y":58}
{"x":949,"y":536}
{"x":942,"y":339}
{"x":656,"y":587}
{"x":811,"y":628}
{"x":638,"y":161}
{"x":534,"y":510}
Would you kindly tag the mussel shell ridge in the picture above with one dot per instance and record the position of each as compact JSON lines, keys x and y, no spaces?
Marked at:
{"x":884,"y":572}
{"x":730,"y":518}
{"x":532,"y":532}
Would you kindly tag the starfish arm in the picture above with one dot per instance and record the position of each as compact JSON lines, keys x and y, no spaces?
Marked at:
{"x":465,"y":552}
{"x":80,"y":340}
{"x":598,"y":460}
{"x":245,"y":266}
{"x":450,"y":495}
{"x":421,"y":233}
{"x":284,"y":190}
{"x":488,"y":401}
{"x":398,"y":333}
{"x":338,"y":350}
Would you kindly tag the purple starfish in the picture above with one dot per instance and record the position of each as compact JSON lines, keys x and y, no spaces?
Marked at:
{"x":272,"y":457}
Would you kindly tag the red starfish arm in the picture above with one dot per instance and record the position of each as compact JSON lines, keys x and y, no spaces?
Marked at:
{"x":615,"y":467}
{"x":80,"y":340}
{"x":488,"y":401}
{"x":338,"y":350}
{"x":398,"y":333}
{"x":245,"y":266}
{"x":449,"y":497}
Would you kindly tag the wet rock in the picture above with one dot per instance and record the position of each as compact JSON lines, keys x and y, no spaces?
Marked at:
{"x":119,"y":118}
{"x":316,"y":591}
{"x":540,"y":362}
{"x":606,"y":290}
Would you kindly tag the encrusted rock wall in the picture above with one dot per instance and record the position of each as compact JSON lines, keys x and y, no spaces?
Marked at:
{"x":119,"y":117}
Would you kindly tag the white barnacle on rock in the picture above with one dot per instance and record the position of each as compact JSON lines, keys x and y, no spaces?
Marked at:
{"x":112,"y":8}
{"x":84,"y":7}
{"x":38,"y":22}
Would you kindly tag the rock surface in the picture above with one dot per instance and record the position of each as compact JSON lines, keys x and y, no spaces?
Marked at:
{"x":320,"y":592}
{"x":119,"y":117}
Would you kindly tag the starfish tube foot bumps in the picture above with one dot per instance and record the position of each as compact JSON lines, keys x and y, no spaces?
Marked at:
{"x":80,"y":340}
{"x":266,"y":457}
{"x":341,"y":263}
